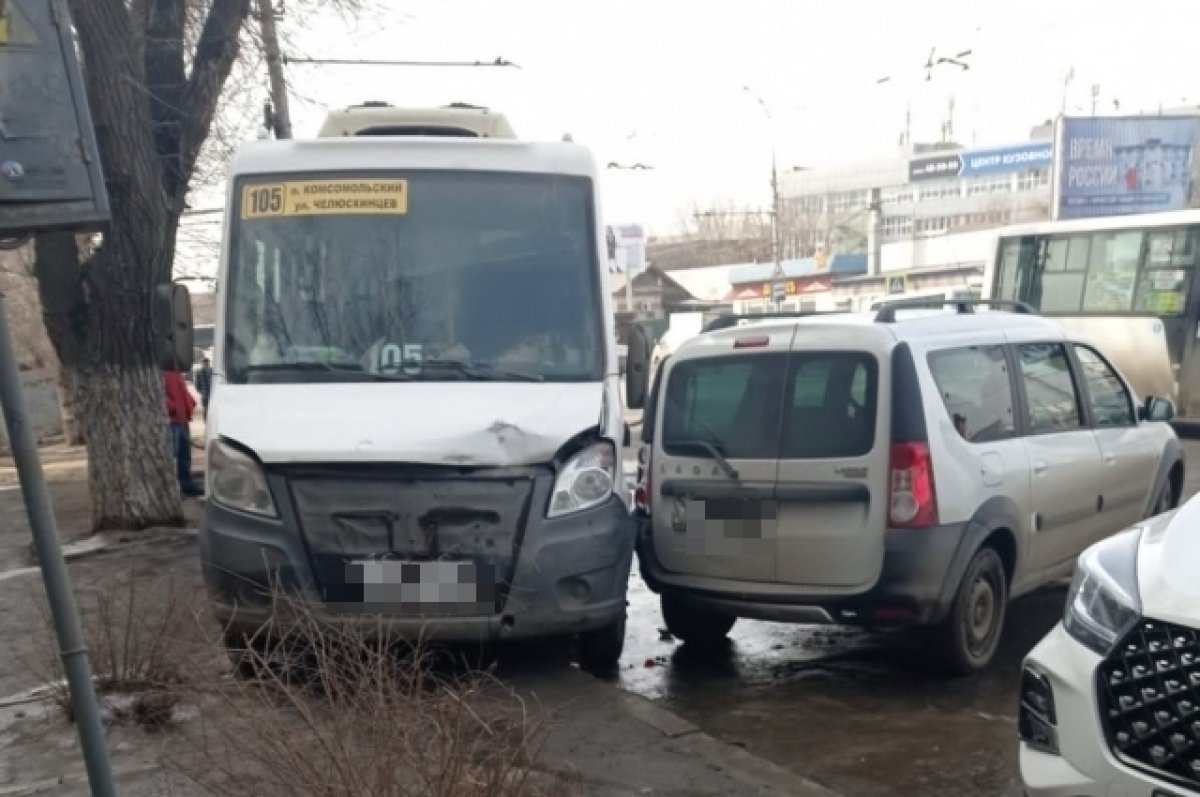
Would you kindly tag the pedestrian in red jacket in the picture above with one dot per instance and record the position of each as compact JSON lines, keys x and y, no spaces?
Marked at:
{"x":180,"y":407}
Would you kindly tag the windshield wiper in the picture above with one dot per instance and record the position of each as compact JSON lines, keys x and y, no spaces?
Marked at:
{"x":345,"y":369}
{"x":713,"y":452}
{"x":481,"y":370}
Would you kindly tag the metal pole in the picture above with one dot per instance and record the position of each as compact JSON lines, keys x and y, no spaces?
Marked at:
{"x":279,"y":98}
{"x":54,"y":568}
{"x":775,"y":242}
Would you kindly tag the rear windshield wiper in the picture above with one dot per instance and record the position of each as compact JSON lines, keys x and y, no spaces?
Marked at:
{"x":713,"y":452}
{"x":480,"y":370}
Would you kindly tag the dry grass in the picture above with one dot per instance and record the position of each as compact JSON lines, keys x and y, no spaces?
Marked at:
{"x":310,"y":709}
{"x":333,"y":712}
{"x":137,"y":635}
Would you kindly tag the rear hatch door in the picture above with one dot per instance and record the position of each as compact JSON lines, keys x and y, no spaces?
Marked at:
{"x":833,"y":464}
{"x":707,"y":521}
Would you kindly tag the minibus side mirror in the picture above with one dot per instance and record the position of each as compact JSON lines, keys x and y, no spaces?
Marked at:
{"x":172,"y":322}
{"x":637,"y":364}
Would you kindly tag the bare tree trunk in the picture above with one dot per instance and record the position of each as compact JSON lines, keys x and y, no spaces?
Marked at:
{"x":153,"y":104}
{"x":68,"y":403}
{"x":130,"y":469}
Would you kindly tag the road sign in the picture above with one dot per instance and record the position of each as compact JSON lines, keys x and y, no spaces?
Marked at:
{"x":49,"y":165}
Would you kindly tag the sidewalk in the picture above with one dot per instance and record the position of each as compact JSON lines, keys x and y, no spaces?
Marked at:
{"x":610,"y":742}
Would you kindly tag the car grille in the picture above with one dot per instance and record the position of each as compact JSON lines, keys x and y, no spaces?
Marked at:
{"x":350,"y":514}
{"x":1150,"y":700}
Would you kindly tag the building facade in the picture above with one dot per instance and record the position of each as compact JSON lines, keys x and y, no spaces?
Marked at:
{"x":925,"y":192}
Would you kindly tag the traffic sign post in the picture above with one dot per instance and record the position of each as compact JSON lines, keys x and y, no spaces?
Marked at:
{"x":50,"y":179}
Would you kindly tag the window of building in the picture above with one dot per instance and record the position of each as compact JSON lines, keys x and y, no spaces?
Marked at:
{"x":976,"y":391}
{"x":896,"y":226}
{"x":941,"y":189}
{"x":1033,"y":179}
{"x":932,"y":225}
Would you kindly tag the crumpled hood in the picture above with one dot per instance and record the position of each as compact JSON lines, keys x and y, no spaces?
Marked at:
{"x":1169,"y":567}
{"x":446,"y":423}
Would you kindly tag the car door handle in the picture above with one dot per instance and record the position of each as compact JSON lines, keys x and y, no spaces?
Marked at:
{"x":1110,"y":459}
{"x":1040,"y":467}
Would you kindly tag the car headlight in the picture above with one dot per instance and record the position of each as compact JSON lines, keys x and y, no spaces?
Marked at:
{"x":584,"y":481}
{"x":1103,"y":602}
{"x":235,"y":480}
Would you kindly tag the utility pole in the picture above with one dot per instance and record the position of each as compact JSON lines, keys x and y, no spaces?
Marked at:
{"x":281,"y":118}
{"x":1095,"y":96}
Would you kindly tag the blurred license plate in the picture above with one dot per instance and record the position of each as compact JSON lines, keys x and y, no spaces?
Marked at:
{"x":410,"y":586}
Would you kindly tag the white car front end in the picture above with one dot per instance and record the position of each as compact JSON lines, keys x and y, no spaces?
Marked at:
{"x":1110,"y":699}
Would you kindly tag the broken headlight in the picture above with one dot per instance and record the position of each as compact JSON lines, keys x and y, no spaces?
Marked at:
{"x":235,"y":480}
{"x":584,"y":481}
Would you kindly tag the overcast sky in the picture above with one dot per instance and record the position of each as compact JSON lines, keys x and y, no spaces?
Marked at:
{"x":661,"y":81}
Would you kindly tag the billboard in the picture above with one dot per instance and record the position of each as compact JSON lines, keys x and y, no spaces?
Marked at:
{"x":982,"y":162}
{"x":1115,"y":165}
{"x":626,"y":249}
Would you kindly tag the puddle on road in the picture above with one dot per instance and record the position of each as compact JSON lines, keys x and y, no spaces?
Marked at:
{"x":857,"y":710}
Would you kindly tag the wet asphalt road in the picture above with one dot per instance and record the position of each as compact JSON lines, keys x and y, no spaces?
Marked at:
{"x":858,"y":712}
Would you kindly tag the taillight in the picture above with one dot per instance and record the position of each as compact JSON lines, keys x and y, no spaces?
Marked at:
{"x":913,"y":502}
{"x":641,"y":495}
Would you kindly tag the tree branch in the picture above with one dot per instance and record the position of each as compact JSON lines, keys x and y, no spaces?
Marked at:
{"x":166,"y":80}
{"x":116,"y":88}
{"x":213,"y":61}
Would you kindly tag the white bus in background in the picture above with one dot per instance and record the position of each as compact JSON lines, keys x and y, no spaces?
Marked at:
{"x":416,"y":417}
{"x":1128,"y":282}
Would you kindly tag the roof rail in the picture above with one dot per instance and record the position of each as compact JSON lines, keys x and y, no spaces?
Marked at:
{"x":731,"y":319}
{"x":887,"y":313}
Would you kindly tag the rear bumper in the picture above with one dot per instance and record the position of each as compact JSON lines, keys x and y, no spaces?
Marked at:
{"x":915,"y":586}
{"x":570,"y":576}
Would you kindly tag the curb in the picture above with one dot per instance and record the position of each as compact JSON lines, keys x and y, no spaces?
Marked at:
{"x":101,"y":543}
{"x":754,"y":769}
{"x":759,"y":775}
{"x":73,"y":779}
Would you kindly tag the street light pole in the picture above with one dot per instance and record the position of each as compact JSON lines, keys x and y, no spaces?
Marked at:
{"x":775,"y":243}
{"x":628,"y":277}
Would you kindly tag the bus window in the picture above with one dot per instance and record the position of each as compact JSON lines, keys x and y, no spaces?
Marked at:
{"x":1166,"y":277}
{"x":1016,"y":270}
{"x":1112,"y":271}
{"x":1061,"y":273}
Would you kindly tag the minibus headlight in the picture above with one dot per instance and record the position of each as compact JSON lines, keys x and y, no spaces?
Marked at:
{"x":584,"y":481}
{"x":235,"y":480}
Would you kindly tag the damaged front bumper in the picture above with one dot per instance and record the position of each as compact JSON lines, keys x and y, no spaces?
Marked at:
{"x":538,"y":576}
